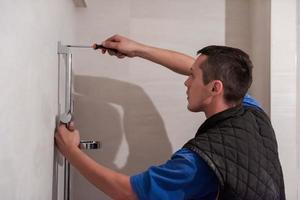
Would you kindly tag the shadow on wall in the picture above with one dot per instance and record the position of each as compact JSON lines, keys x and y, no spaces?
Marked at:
{"x":98,"y":118}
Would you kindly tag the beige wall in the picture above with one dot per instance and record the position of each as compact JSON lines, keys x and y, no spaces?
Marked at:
{"x":238,"y":26}
{"x":248,"y":28}
{"x":260,"y":23}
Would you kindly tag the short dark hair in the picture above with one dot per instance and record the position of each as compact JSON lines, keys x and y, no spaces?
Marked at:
{"x":230,"y":65}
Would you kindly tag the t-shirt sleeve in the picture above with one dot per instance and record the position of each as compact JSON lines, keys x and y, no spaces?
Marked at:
{"x":184,"y":176}
{"x":250,"y":101}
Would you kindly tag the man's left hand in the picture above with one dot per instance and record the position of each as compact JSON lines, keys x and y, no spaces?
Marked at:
{"x":67,"y":139}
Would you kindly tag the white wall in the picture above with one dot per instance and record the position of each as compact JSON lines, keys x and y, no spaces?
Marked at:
{"x":29,"y":31}
{"x":137,"y":108}
{"x":283,"y":88}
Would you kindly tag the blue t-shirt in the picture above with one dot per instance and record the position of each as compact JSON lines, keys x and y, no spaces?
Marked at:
{"x":250,"y":101}
{"x":185,"y":176}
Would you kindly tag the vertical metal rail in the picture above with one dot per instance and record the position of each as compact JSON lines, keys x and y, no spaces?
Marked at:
{"x":66,"y":180}
{"x":69,"y":110}
{"x":69,"y":99}
{"x":66,"y":116}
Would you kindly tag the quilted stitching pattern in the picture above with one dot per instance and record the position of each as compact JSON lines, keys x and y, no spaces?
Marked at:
{"x":240,"y":146}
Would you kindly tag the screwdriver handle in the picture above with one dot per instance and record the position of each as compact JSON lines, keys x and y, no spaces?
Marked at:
{"x":100,"y":46}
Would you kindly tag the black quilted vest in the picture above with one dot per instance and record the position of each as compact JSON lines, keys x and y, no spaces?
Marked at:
{"x":239,"y":144}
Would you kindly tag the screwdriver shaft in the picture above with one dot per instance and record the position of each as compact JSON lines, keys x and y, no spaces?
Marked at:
{"x":79,"y":46}
{"x":95,"y":46}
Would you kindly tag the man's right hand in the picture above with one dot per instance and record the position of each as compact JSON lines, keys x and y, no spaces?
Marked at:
{"x":124,"y":46}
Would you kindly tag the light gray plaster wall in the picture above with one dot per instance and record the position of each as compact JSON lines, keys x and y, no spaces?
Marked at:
{"x":29,"y":31}
{"x":135,"y":107}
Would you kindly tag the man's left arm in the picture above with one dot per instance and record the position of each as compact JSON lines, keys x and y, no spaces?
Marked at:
{"x":114,"y":184}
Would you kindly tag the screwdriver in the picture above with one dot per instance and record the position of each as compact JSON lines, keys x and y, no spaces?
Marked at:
{"x":95,"y":46}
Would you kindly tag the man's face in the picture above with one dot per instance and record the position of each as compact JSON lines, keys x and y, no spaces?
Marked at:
{"x":198,"y":94}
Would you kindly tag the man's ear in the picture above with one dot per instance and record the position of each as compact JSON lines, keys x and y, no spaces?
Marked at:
{"x":217,"y":87}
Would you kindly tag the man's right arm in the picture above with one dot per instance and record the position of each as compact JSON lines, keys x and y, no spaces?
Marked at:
{"x":175,"y":61}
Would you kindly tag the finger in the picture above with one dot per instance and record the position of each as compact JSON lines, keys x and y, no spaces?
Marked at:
{"x":59,"y":145}
{"x":57,"y":139}
{"x":55,"y":135}
{"x":111,"y":52}
{"x":72,"y":123}
{"x":103,"y":51}
{"x":110,"y":44}
{"x":115,"y":38}
{"x":119,"y":55}
{"x":61,"y":127}
{"x":71,"y":126}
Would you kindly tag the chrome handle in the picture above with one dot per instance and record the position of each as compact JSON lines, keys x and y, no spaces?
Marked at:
{"x":89,"y":144}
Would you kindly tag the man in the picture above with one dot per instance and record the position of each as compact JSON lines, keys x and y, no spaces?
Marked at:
{"x":234,"y":152}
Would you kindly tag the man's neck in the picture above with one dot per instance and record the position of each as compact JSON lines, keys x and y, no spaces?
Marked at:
{"x":217,"y":107}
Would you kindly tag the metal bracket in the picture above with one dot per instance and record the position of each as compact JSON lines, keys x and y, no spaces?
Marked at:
{"x":62,"y":49}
